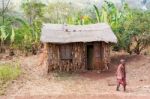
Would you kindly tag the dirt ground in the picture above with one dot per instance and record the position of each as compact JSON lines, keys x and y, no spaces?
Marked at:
{"x":32,"y":82}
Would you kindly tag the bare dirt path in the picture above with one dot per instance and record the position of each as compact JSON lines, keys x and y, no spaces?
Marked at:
{"x":105,"y":96}
{"x":32,"y":83}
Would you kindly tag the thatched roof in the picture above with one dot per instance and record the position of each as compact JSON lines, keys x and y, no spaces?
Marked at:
{"x":60,"y":33}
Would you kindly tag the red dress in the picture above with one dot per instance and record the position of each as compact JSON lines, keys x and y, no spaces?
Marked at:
{"x":121,"y":75}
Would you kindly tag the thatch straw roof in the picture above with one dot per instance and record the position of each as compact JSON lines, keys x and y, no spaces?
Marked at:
{"x":60,"y":33}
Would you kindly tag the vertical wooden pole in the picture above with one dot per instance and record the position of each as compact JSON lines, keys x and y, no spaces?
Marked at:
{"x":46,"y":50}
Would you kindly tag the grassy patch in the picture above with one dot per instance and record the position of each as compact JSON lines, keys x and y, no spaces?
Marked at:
{"x":8,"y":72}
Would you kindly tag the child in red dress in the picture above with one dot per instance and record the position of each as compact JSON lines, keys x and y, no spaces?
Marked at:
{"x":121,"y":75}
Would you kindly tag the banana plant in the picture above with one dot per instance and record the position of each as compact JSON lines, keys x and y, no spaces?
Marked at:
{"x":12,"y":37}
{"x":3,"y":37}
{"x":97,"y":13}
{"x":3,"y":34}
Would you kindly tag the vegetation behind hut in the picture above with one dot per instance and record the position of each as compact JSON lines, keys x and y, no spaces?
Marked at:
{"x":23,"y":32}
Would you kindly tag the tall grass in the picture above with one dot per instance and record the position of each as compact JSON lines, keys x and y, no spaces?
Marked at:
{"x":8,"y":72}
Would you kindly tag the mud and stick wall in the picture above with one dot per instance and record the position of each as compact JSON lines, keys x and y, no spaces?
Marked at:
{"x":78,"y":62}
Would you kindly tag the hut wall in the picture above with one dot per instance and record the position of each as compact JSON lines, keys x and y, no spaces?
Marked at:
{"x":106,"y":47}
{"x":75,"y":64}
{"x":98,"y":55}
{"x":101,"y":57}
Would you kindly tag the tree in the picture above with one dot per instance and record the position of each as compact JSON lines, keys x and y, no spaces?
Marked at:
{"x":110,"y":14}
{"x":59,"y":12}
{"x":34,"y":12}
{"x":5,"y":4}
{"x":139,"y":31}
{"x":3,"y":33}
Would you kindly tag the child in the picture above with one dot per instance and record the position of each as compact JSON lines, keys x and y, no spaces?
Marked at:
{"x":121,"y":75}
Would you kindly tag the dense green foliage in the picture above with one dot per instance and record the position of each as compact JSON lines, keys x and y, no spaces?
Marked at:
{"x":137,"y":32}
{"x":22,"y":33}
{"x":130,"y":26}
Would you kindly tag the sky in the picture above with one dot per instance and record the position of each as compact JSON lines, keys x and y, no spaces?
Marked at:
{"x":81,"y":3}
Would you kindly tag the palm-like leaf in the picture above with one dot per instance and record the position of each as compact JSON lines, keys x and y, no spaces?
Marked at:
{"x":97,"y":13}
{"x":3,"y":34}
{"x":12,"y":37}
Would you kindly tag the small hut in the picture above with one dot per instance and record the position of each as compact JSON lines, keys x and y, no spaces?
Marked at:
{"x":77,"y":47}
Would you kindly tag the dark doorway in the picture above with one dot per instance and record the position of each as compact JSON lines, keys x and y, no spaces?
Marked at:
{"x":90,"y":57}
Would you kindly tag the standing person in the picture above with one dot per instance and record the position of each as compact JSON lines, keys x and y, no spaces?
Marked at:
{"x":121,"y":75}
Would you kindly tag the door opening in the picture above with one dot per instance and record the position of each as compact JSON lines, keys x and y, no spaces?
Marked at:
{"x":90,"y":57}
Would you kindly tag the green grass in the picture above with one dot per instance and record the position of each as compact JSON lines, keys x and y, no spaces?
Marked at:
{"x":8,"y":72}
